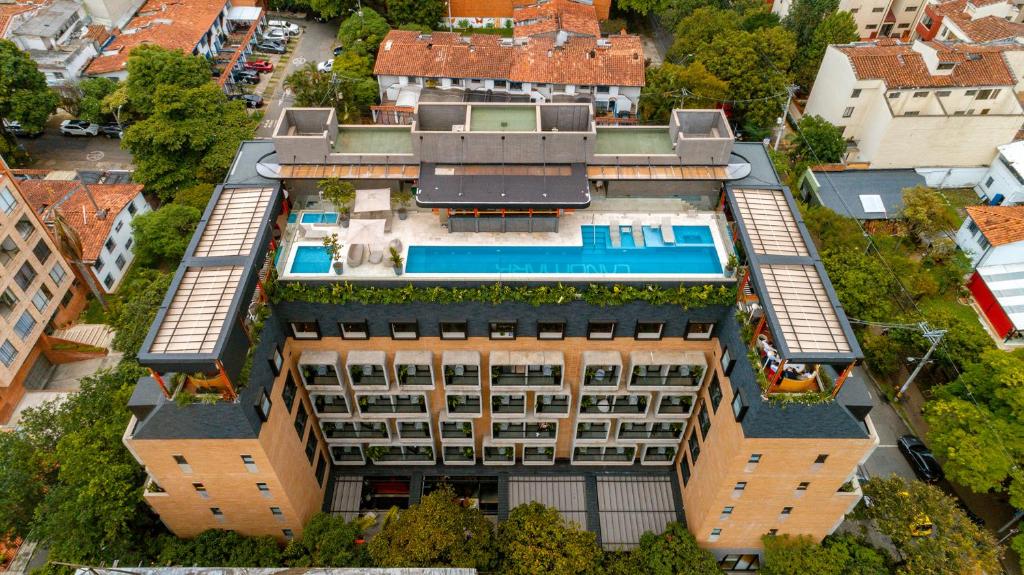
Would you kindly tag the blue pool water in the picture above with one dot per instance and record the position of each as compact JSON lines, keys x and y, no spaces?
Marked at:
{"x":319,"y":218}
{"x":311,"y":260}
{"x":693,"y":253}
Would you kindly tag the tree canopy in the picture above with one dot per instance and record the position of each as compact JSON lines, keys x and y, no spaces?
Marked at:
{"x":805,"y":16}
{"x":665,"y":84}
{"x":25,"y":476}
{"x":426,"y":13}
{"x":926,"y":211}
{"x":817,"y":142}
{"x":363,"y":32}
{"x":221,"y":548}
{"x":163,"y":235}
{"x":836,"y":555}
{"x":132,"y":312}
{"x":151,"y":67}
{"x":24,"y":95}
{"x":536,"y":539}
{"x":838,"y":27}
{"x":328,"y":542}
{"x":675,"y":551}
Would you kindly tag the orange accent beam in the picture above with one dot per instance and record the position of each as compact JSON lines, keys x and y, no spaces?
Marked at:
{"x":757,"y":331}
{"x":842,"y":378}
{"x":778,"y":374}
{"x":230,"y":391}
{"x":743,"y":285}
{"x":160,"y":381}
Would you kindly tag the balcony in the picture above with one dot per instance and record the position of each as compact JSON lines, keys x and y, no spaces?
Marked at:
{"x":413,"y":369}
{"x":366,"y":369}
{"x":508,"y":405}
{"x":662,"y":455}
{"x":354,"y":430}
{"x":587,"y":430}
{"x":456,"y":430}
{"x":663,"y":369}
{"x":330,"y":404}
{"x":499,"y":455}
{"x":461,"y":368}
{"x":370,"y":404}
{"x":421,"y":454}
{"x":464,"y":405}
{"x":602,"y":369}
{"x":454,"y":455}
{"x":542,"y":430}
{"x":521,"y":369}
{"x":347,"y":455}
{"x":613,"y":404}
{"x":538,"y":455}
{"x":552,"y":405}
{"x":651,"y":431}
{"x":413,"y":430}
{"x":620,"y":455}
{"x":320,"y":369}
{"x":675,"y":405}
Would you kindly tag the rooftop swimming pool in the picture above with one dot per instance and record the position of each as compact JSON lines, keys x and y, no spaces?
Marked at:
{"x":692,"y":252}
{"x":311,"y":260}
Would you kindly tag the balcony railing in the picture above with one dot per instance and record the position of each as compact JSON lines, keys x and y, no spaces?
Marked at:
{"x":596,"y":377}
{"x":470,"y":375}
{"x":396,"y":454}
{"x":594,"y":454}
{"x":456,"y":430}
{"x":453,"y":454}
{"x":508,"y":378}
{"x":620,"y":405}
{"x":539,"y":454}
{"x":649,"y":434}
{"x":499,"y":454}
{"x":346,"y":454}
{"x":348,"y":431}
{"x":654,"y":455}
{"x":465,"y":404}
{"x":320,"y":375}
{"x":517,"y":405}
{"x":414,"y":375}
{"x":525,"y":431}
{"x":676,"y":405}
{"x":399,"y":406}
{"x":323,"y":405}
{"x":361,"y":377}
{"x":557,"y":406}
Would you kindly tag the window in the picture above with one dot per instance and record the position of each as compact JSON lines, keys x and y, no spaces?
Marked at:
{"x":288,"y":534}
{"x":649,"y":329}
{"x":715,"y":534}
{"x":217,"y":513}
{"x":943,"y":93}
{"x":803,"y":486}
{"x":42,"y":298}
{"x":7,"y":201}
{"x":9,"y":301}
{"x":601,"y":330}
{"x":988,"y":184}
{"x":57,"y":273}
{"x":264,"y":489}
{"x":131,"y":208}
{"x":515,"y":86}
{"x":321,"y":469}
{"x":878,"y":9}
{"x":249,"y":463}
{"x":704,"y":420}
{"x":727,"y":362}
{"x":855,"y":93}
{"x":694,"y":447}
{"x":42,"y":251}
{"x":894,"y":95}
{"x":128,"y":243}
{"x":7,"y":353}
{"x":25,"y":227}
{"x":987,"y":94}
{"x":739,"y":408}
{"x":684,"y":469}
{"x":752,"y":462}
{"x":25,"y":276}
{"x":289,"y":391}
{"x":715,"y":393}
{"x":277,"y":513}
{"x":501,"y":84}
{"x":946,"y":65}
{"x":927,"y":21}
{"x":25,"y":324}
{"x":820,"y":459}
{"x":108,"y":281}
{"x":983,"y":242}
{"x":848,"y":112}
{"x":405,"y":330}
{"x":355,"y":330}
{"x":740,"y":486}
{"x":920,"y":94}
{"x":970,"y":92}
{"x":305,"y":329}
{"x":871,"y":26}
{"x":854,"y":10}
{"x":454,"y":330}
{"x":773,"y":532}
{"x":64,"y":301}
{"x":914,"y":113}
{"x":183,"y":464}
{"x":699,"y":330}
{"x":201,"y":490}
{"x":120,"y":261}
{"x":98,"y":264}
{"x":503,"y":329}
{"x":110,"y":245}
{"x":550,"y":330}
{"x":263,"y":407}
{"x":727,"y":511}
{"x":311,"y":445}
{"x":300,"y":420}
{"x":985,"y":111}
{"x":734,"y":562}
{"x":277,"y":362}
{"x":118,"y":226}
{"x":786,"y":512}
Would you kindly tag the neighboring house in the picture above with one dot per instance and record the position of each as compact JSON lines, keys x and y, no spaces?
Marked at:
{"x":608,"y":71}
{"x":993,"y":237}
{"x":859,"y":194}
{"x":1003,"y":183}
{"x":501,"y":13}
{"x":55,"y":38}
{"x":551,"y":18}
{"x":874,"y":18}
{"x":106,"y":234}
{"x":14,"y":14}
{"x":969,"y":21}
{"x":219,"y":30}
{"x":926,"y":104}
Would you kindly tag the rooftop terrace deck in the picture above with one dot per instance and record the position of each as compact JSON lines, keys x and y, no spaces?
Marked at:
{"x":372,"y":140}
{"x":503,"y":119}
{"x":633,"y":140}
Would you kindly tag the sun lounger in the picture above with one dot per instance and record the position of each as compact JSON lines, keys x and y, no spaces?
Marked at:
{"x":638,"y":233}
{"x":668,"y":235}
{"x":356,"y":253}
{"x":376,"y":255}
{"x":613,"y":234}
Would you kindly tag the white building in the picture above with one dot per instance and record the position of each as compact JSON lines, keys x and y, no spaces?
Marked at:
{"x":1003,"y":184}
{"x":926,"y":104}
{"x":874,"y":18}
{"x":55,"y":37}
{"x":993,"y":237}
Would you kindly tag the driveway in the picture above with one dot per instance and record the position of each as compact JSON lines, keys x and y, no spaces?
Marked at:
{"x":52,"y":151}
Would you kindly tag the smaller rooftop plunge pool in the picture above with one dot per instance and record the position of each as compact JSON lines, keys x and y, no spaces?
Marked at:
{"x":311,"y":260}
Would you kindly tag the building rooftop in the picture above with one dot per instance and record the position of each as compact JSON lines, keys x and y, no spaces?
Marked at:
{"x":553,"y":16}
{"x":904,"y":65}
{"x":1001,"y":224}
{"x":980,"y":27}
{"x":373,"y":140}
{"x":865,"y":194}
{"x":616,"y":141}
{"x":8,"y":13}
{"x":615,"y":61}
{"x":50,"y":20}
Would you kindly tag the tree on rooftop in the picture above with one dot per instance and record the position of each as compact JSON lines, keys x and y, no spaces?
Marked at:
{"x":817,"y":142}
{"x":426,"y":13}
{"x":363,"y":31}
{"x":838,"y":27}
{"x":536,"y":539}
{"x":665,"y":83}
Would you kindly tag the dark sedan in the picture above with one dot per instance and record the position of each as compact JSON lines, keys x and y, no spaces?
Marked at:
{"x":921,"y":459}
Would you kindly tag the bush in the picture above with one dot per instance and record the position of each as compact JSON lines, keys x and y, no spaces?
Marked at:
{"x":536,"y":539}
{"x":217,"y":547}
{"x":328,"y":542}
{"x":162,"y":236}
{"x":197,"y":196}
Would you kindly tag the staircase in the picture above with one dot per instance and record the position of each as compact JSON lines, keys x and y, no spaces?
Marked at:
{"x":90,"y":334}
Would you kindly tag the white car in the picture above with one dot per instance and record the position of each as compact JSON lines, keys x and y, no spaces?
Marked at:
{"x":79,"y":128}
{"x":325,"y":66}
{"x":290,"y":28}
{"x":276,"y":34}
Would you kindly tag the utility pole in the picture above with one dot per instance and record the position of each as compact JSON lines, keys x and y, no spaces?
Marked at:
{"x":682,"y":97}
{"x":932,"y":335}
{"x":790,"y":90}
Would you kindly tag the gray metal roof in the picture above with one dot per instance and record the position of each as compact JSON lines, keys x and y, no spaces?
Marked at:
{"x":841,"y":191}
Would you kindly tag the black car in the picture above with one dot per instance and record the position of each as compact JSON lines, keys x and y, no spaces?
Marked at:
{"x":251,"y":100}
{"x":337,"y":51}
{"x":921,"y":459}
{"x":246,"y":76}
{"x":271,"y":47}
{"x":112,"y":130}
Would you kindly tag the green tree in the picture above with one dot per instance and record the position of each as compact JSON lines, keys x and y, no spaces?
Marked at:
{"x":926,"y":212}
{"x":151,"y":67}
{"x":198,"y":196}
{"x":672,"y":552}
{"x":817,"y":141}
{"x":641,"y":6}
{"x":140,"y":296}
{"x":665,"y":83}
{"x":221,"y":548}
{"x":965,"y":342}
{"x":162,"y":236}
{"x":436,"y":532}
{"x":699,"y":29}
{"x":94,"y":91}
{"x":426,"y":13}
{"x":858,"y":556}
{"x":956,"y":546}
{"x":328,"y":542}
{"x":536,"y":539}
{"x":805,"y":16}
{"x":863,"y":284}
{"x":24,"y":479}
{"x":793,"y":555}
{"x":836,"y":28}
{"x":332,"y":8}
{"x":24,"y":97}
{"x":363,"y":32}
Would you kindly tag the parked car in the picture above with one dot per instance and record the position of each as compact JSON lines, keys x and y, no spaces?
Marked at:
{"x":251,"y":100}
{"x":112,"y":130}
{"x":337,"y":51}
{"x":246,"y":76}
{"x":79,"y":128}
{"x":325,"y":66}
{"x":271,"y":47}
{"x":920,"y":457}
{"x":277,"y":34}
{"x":291,"y":28}
{"x":15,"y":129}
{"x":260,"y":65}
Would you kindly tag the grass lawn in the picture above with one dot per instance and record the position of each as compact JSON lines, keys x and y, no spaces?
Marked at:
{"x":959,"y":198}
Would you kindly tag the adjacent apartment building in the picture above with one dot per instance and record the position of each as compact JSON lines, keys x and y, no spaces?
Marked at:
{"x":920,"y":104}
{"x":969,"y":21}
{"x":993,"y":237}
{"x":501,"y":13}
{"x":55,"y":36}
{"x":606,"y":347}
{"x":874,"y":18}
{"x":1003,"y":184}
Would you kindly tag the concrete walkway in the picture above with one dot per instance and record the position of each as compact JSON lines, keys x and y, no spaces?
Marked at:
{"x":64,"y":380}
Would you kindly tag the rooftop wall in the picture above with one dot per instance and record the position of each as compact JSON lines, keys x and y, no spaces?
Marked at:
{"x":703,"y":137}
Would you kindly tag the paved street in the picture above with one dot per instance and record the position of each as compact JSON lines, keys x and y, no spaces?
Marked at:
{"x":886,"y":459}
{"x":52,"y":151}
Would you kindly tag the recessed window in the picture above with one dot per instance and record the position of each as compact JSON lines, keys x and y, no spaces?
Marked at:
{"x":276,"y":512}
{"x":694,"y":447}
{"x":649,"y":329}
{"x":773,"y":532}
{"x":740,"y":486}
{"x":699,"y":330}
{"x":727,"y":511}
{"x":120,"y":261}
{"x":305,"y":329}
{"x":201,"y":490}
{"x":405,"y":330}
{"x":942,"y":93}
{"x":264,"y":489}
{"x":98,"y":264}
{"x":454,"y":330}
{"x":132,"y":209}
{"x":25,"y":276}
{"x":551,"y":330}
{"x":321,"y":469}
{"x":108,"y":281}
{"x":855,"y":93}
{"x":988,"y":184}
{"x":289,"y":391}
{"x":878,"y":9}
{"x":311,"y":445}
{"x":786,"y":511}
{"x":871,"y":26}
{"x":715,"y":534}
{"x":739,"y":408}
{"x":354,"y":330}
{"x":42,"y":251}
{"x":217,"y":512}
{"x":8,"y":353}
{"x":57,"y":273}
{"x":118,"y":226}
{"x":502,"y":329}
{"x":250,"y":464}
{"x":704,"y":421}
{"x":183,"y":464}
{"x":301,"y":416}
{"x":288,"y":534}
{"x":110,"y":244}
{"x":894,"y":95}
{"x":946,"y":65}
{"x":25,"y":324}
{"x":684,"y":469}
{"x":920,"y":94}
{"x":820,"y":459}
{"x":715,"y":393}
{"x":601,"y":330}
{"x":277,"y":362}
{"x":263,"y":407}
{"x":128,"y":243}
{"x":7,"y":201}
{"x":848,"y":112}
{"x":42,"y":297}
{"x":803,"y":486}
{"x":727,"y":362}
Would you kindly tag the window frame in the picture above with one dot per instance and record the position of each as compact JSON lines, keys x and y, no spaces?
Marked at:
{"x":276,"y":360}
{"x":689,"y":337}
{"x":715,"y":395}
{"x":415,"y":331}
{"x":263,"y":406}
{"x":295,"y":333}
{"x":693,"y":445}
{"x":703,"y":421}
{"x":303,"y":415}
{"x":637,"y":333}
{"x":491,"y":330}
{"x":353,"y":334}
{"x":592,"y":326}
{"x":547,"y":334}
{"x":8,"y":353}
{"x":726,"y":362}
{"x":289,"y":402}
{"x":739,"y":406}
{"x":464,"y":330}
{"x":684,"y":468}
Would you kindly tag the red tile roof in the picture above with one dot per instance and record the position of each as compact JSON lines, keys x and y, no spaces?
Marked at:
{"x":899,"y":65}
{"x":551,"y":16}
{"x":9,"y":11}
{"x":171,"y":24}
{"x":1000,"y":224}
{"x":78,"y":209}
{"x":580,"y":61}
{"x":984,"y":29}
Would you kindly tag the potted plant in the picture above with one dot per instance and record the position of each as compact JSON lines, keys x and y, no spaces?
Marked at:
{"x":356,"y":373}
{"x":587,"y":402}
{"x":549,"y":451}
{"x":454,"y":402}
{"x":697,"y":372}
{"x":505,"y":452}
{"x":403,"y":374}
{"x":677,"y":427}
{"x":340,"y":194}
{"x":399,"y":201}
{"x":428,"y":452}
{"x":364,"y":402}
{"x":731,"y":264}
{"x":376,"y":452}
{"x":467,"y":428}
{"x":396,"y":260}
{"x":334,"y":252}
{"x":467,"y":452}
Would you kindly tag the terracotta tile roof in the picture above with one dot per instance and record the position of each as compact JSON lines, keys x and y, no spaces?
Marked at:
{"x":171,"y":24}
{"x":97,"y":33}
{"x":984,"y":29}
{"x":1000,"y":224}
{"x":76,"y":207}
{"x":580,"y":61}
{"x":900,"y":65}
{"x":550,"y":16}
{"x":9,"y":11}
